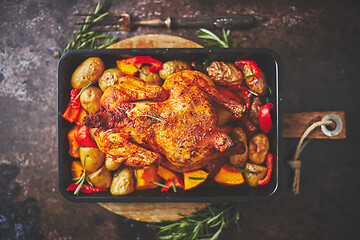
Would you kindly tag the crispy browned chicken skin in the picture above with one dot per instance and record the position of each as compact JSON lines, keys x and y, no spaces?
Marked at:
{"x":175,"y":124}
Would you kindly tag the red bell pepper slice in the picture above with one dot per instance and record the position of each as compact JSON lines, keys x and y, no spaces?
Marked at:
{"x":177,"y":182}
{"x":255,"y":71}
{"x":265,"y":118}
{"x":73,"y":109}
{"x":269,"y":165}
{"x":85,"y":188}
{"x":82,"y":136}
{"x":156,"y":65}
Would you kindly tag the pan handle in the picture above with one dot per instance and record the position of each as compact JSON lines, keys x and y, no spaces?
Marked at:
{"x":237,"y":21}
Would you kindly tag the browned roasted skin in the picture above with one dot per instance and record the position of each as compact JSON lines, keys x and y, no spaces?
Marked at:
{"x":185,"y":135}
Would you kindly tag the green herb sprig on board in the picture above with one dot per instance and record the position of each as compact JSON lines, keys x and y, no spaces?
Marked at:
{"x":204,"y":224}
{"x":217,"y":41}
{"x":85,"y":37}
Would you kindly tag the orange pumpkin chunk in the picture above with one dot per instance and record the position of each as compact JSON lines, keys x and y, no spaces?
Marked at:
{"x":145,"y":177}
{"x":229,"y":175}
{"x":194,"y":178}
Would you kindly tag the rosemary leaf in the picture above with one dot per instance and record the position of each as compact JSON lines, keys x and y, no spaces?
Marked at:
{"x":85,"y":37}
{"x":82,"y":89}
{"x":160,"y":184}
{"x":246,"y":171}
{"x":196,"y":178}
{"x":249,"y":76}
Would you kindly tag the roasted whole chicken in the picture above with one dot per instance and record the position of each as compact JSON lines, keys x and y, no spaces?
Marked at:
{"x":174,"y":124}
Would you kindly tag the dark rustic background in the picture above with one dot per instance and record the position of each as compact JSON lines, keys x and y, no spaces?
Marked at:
{"x":318,"y":43}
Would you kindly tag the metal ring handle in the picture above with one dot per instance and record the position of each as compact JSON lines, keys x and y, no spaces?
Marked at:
{"x":339,"y":125}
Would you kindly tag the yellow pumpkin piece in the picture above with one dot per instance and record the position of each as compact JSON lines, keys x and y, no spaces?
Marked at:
{"x":229,"y":175}
{"x":165,"y":173}
{"x":194,"y":178}
{"x":145,"y":177}
{"x":81,"y":116}
{"x":127,"y":69}
{"x":74,"y":145}
{"x":76,"y":170}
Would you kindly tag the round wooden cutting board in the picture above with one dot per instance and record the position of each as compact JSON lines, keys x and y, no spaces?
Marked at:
{"x":154,"y":212}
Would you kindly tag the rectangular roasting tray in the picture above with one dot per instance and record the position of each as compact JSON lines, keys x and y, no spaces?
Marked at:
{"x":267,"y":60}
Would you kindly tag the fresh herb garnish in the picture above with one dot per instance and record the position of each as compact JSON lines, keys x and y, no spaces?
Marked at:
{"x":252,"y":92}
{"x":173,"y":185}
{"x":83,"y":88}
{"x":160,"y":184}
{"x":249,"y":76}
{"x":246,"y":171}
{"x":154,"y":118}
{"x":205,"y":224}
{"x":217,"y":41}
{"x":197,"y":178}
{"x":85,"y":37}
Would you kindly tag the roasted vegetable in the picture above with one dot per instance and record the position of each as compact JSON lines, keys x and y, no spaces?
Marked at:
{"x":229,"y":175}
{"x":110,"y":163}
{"x":91,"y":158}
{"x":258,"y":172}
{"x":89,"y":71}
{"x":123,"y":182}
{"x":127,"y":69}
{"x":76,"y":170}
{"x":145,"y":178}
{"x":171,"y":67}
{"x":74,"y":145}
{"x":258,"y":84}
{"x":109,"y":78}
{"x":238,"y":160}
{"x":194,"y":178}
{"x":258,"y":148}
{"x":148,"y":76}
{"x":90,"y":99}
{"x":101,"y":178}
{"x":165,"y":173}
{"x":254,"y":110}
{"x":225,"y":74}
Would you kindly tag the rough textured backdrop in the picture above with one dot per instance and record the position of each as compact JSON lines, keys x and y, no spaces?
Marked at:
{"x":318,"y":42}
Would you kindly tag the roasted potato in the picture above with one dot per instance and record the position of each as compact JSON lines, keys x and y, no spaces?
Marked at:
{"x":225,"y":74}
{"x":92,"y":133}
{"x":123,"y":182}
{"x":258,"y":84}
{"x":149,"y":77}
{"x":238,"y":160}
{"x":253,"y":178}
{"x":90,"y":99}
{"x":101,"y":178}
{"x":91,"y":158}
{"x":110,"y":163}
{"x":254,"y":110}
{"x":258,"y":148}
{"x":109,"y":78}
{"x":89,"y":71}
{"x":171,"y":67}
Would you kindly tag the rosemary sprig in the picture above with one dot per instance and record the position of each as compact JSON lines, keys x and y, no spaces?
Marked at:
{"x":249,"y":76}
{"x":83,"y":88}
{"x":85,"y":37}
{"x":217,"y":41}
{"x":246,"y":171}
{"x":197,"y":178}
{"x":205,"y":224}
{"x":154,"y":118}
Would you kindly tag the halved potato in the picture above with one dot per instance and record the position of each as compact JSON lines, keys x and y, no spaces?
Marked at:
{"x":101,"y":178}
{"x":123,"y":182}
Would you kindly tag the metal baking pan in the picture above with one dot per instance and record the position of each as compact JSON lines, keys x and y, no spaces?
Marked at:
{"x":267,"y":60}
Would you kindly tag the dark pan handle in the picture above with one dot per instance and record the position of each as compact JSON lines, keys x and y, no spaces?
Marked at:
{"x":238,"y":21}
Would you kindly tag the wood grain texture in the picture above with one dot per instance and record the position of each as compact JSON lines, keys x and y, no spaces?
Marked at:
{"x":295,"y":124}
{"x":154,"y":212}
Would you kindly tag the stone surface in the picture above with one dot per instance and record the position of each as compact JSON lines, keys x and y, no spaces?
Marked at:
{"x":318,"y":42}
